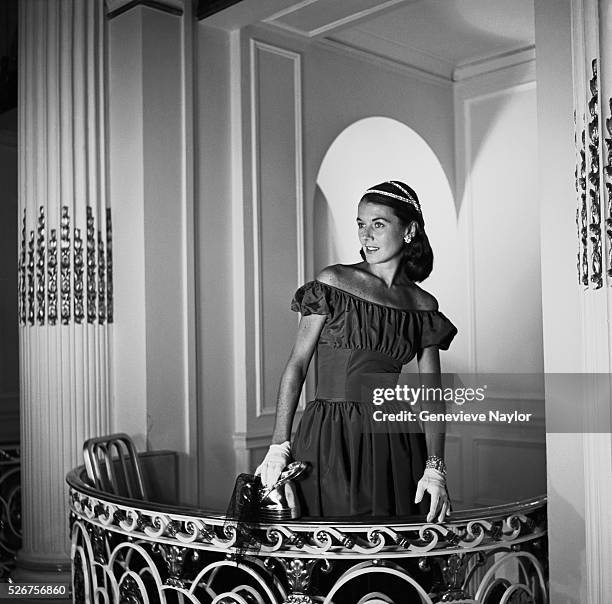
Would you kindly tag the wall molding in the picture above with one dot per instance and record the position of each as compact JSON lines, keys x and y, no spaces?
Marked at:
{"x":359,"y":15}
{"x":403,"y":69}
{"x":459,"y":73}
{"x":467,"y":95}
{"x":403,"y":54}
{"x":255,"y":47}
{"x":498,"y":62}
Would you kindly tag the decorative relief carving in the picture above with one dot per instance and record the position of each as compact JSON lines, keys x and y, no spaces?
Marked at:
{"x":584,"y":229}
{"x":52,"y":278}
{"x":21,"y":283}
{"x":65,"y":264}
{"x":31,"y":278}
{"x":582,"y":262}
{"x":91,"y":267}
{"x":593,"y":178}
{"x":608,"y":183}
{"x":79,"y":311}
{"x":109,"y":267}
{"x":40,"y":294}
{"x":298,"y":572}
{"x":101,"y":280}
{"x":40,"y":267}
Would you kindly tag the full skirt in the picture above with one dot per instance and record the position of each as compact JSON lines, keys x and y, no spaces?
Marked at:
{"x":356,"y":467}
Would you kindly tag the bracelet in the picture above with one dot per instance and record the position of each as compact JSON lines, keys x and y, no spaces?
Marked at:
{"x":436,"y":463}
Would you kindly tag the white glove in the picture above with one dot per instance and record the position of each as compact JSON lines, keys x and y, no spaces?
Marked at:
{"x":434,"y":483}
{"x":276,"y":460}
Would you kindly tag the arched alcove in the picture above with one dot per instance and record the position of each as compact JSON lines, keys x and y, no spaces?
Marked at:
{"x":376,"y":149}
{"x":370,"y":151}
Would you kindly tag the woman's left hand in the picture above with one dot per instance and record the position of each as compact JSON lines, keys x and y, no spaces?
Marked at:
{"x":434,"y":483}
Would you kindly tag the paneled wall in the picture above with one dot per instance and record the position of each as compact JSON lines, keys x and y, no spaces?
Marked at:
{"x":497,"y":189}
{"x":277,"y":105}
{"x":295,"y":99}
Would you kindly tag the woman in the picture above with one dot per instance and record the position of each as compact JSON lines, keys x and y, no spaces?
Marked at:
{"x":365,"y":318}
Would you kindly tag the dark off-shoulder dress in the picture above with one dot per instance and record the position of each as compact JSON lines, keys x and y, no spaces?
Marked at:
{"x":355,"y":469}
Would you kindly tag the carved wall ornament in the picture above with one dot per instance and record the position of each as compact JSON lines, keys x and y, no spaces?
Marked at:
{"x":584,"y":239}
{"x":608,"y":185}
{"x":40,"y":267}
{"x":30,"y":285}
{"x":79,"y":311}
{"x":91,"y":267}
{"x":65,"y":265}
{"x":52,"y":278}
{"x":593,"y":178}
{"x":52,"y":281}
{"x":21,"y":284}
{"x":109,"y":267}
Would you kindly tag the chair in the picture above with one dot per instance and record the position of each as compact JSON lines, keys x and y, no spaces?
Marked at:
{"x":113,"y":466}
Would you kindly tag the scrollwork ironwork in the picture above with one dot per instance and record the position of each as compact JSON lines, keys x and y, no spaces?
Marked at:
{"x":141,"y":552}
{"x":10,"y":508}
{"x":174,"y":557}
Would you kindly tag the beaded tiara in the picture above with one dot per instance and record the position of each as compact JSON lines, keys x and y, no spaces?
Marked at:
{"x":402,"y":194}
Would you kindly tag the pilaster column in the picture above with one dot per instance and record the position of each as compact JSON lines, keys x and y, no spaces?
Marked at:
{"x":65,"y":264}
{"x":592,"y":59}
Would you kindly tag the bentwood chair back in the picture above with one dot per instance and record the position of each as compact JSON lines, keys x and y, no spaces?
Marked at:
{"x":113,"y":467}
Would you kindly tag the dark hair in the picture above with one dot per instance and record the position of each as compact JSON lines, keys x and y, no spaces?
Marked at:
{"x":416,"y":262}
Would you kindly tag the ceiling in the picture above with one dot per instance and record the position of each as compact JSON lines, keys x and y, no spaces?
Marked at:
{"x":445,"y":38}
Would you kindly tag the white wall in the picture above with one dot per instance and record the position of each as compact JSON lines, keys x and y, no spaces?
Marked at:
{"x":214,"y":267}
{"x":498,"y":222}
{"x":150,"y":197}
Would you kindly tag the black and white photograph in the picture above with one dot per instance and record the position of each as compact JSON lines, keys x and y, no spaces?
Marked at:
{"x":306,"y":301}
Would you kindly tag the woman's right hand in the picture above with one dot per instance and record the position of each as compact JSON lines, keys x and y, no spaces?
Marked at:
{"x":276,"y":460}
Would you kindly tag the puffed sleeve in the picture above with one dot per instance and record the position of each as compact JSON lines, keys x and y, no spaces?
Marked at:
{"x":437,"y":330}
{"x":313,"y":298}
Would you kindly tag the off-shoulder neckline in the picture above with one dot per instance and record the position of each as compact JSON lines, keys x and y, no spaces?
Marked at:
{"x":351,"y":295}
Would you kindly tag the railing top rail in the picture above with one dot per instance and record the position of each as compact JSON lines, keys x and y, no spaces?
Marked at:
{"x":76,"y":479}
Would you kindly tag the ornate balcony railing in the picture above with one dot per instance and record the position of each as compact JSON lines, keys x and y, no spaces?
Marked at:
{"x":10,"y":507}
{"x":139,"y":552}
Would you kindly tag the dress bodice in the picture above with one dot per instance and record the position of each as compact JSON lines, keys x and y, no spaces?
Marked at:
{"x":362,"y":338}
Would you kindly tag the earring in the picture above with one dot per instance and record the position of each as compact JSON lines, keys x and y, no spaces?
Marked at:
{"x":407,"y":239}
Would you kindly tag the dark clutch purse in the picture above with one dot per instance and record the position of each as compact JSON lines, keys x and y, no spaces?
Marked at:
{"x":252,"y":502}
